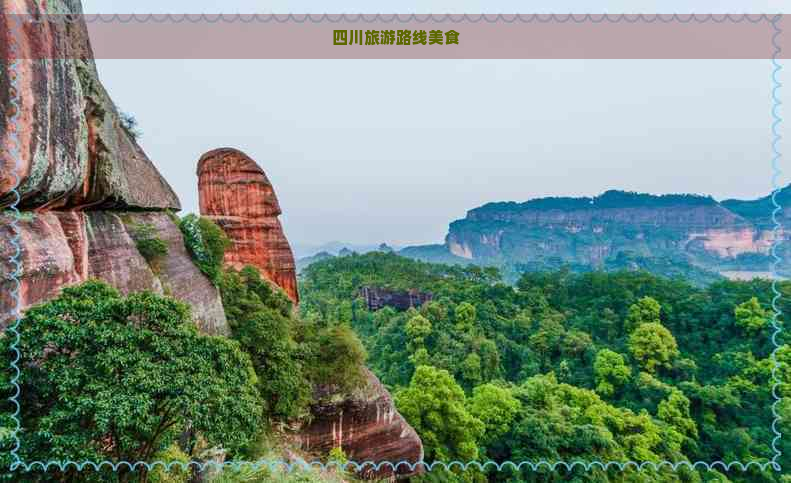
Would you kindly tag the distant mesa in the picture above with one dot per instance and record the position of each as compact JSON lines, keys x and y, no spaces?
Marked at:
{"x":378,"y":298}
{"x":237,"y":195}
{"x":673,"y":234}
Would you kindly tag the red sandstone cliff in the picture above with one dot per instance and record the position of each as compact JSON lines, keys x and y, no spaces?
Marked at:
{"x":69,"y":153}
{"x":236,"y":194}
{"x":85,"y":184}
{"x":74,"y":150}
{"x":60,"y":248}
{"x":368,"y":428}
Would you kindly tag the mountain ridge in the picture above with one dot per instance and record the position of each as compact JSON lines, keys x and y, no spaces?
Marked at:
{"x":692,"y":231}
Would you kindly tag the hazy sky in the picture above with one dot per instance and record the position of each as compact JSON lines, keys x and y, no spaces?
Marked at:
{"x":393,"y":150}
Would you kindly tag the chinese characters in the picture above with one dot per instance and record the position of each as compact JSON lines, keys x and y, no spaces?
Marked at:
{"x":394,"y":37}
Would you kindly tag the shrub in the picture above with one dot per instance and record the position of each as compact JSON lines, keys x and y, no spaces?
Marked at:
{"x":206,"y":243}
{"x":339,"y":358}
{"x":148,"y":243}
{"x":130,"y":126}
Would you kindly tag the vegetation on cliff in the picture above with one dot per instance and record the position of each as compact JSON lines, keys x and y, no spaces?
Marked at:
{"x":112,"y":378}
{"x":609,"y":199}
{"x":594,"y":366}
{"x":206,"y":243}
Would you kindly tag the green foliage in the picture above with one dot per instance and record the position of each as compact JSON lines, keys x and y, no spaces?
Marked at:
{"x":674,"y":375}
{"x":496,"y":407}
{"x":562,"y":422}
{"x":435,"y":406}
{"x":675,"y":411}
{"x":751,"y":315}
{"x":608,"y":199}
{"x":107,"y":377}
{"x":260,"y":320}
{"x":653,"y":346}
{"x":645,"y":311}
{"x":173,"y":473}
{"x":417,"y":329}
{"x":206,"y":243}
{"x":339,"y":359}
{"x":338,"y":457}
{"x":611,"y":372}
{"x":148,"y":243}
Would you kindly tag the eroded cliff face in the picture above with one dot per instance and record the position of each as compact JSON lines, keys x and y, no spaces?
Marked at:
{"x":236,"y":194}
{"x":698,"y":230}
{"x":61,"y":248}
{"x":86,"y":187}
{"x":74,"y":150}
{"x":78,"y":173}
{"x":368,"y":428}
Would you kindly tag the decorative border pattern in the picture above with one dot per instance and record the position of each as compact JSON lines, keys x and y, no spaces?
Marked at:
{"x":16,"y":262}
{"x":420,"y":18}
{"x":776,"y":172}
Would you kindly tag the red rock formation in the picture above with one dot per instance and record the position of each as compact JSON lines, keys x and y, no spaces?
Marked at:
{"x":67,"y":150}
{"x":236,"y":194}
{"x":65,"y":248}
{"x":74,"y":152}
{"x":367,"y":429}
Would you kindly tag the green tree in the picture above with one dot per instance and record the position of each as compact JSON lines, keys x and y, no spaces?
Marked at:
{"x":418,"y":329}
{"x":465,"y":317}
{"x":751,"y":316}
{"x":436,"y":407}
{"x":107,"y":377}
{"x":653,"y":346}
{"x":148,"y":243}
{"x":339,"y":359}
{"x":260,"y":319}
{"x":646,"y":311}
{"x":496,"y":407}
{"x":675,"y":411}
{"x":610,"y":371}
{"x":471,"y":369}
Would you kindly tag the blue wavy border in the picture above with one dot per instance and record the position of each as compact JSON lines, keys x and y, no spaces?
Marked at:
{"x":412,"y":17}
{"x":16,"y":263}
{"x":776,"y":172}
{"x":15,"y":259}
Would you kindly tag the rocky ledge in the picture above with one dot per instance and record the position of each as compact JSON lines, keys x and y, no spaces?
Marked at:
{"x":368,"y":428}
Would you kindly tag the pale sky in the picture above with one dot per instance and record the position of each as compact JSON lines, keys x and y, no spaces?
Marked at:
{"x":365,"y":151}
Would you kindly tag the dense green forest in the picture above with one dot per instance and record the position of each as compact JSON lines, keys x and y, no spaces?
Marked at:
{"x":563,"y":366}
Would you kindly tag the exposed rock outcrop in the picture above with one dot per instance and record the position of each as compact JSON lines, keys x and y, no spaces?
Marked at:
{"x":60,"y":248}
{"x":368,"y":428}
{"x":86,"y":188}
{"x":74,"y":160}
{"x":377,"y":298}
{"x":545,"y":233}
{"x":236,"y":194}
{"x":74,"y":149}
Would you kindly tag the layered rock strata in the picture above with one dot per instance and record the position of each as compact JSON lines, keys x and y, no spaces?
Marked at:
{"x":369,"y":429}
{"x":60,"y":248}
{"x":74,"y":148}
{"x":236,"y":194}
{"x":716,"y":236}
{"x":70,"y":159}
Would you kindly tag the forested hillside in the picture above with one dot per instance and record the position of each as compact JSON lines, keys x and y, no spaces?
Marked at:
{"x":562,"y":366}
